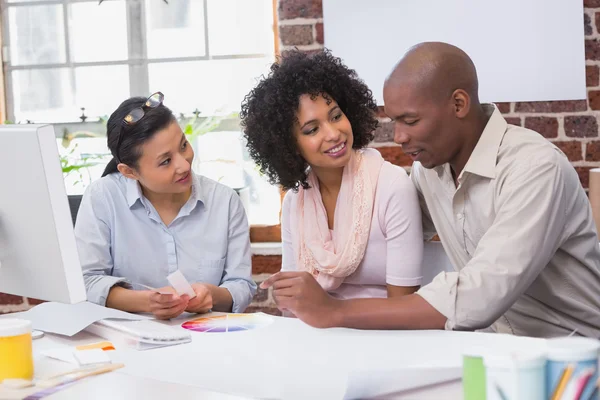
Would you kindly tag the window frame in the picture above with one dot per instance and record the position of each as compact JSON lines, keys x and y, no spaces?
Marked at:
{"x":137,"y":58}
{"x":137,"y":62}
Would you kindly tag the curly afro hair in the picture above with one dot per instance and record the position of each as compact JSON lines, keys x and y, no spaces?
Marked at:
{"x":268,"y":112}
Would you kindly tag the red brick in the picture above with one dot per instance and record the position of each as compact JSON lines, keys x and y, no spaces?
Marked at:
{"x":261,"y":294}
{"x":545,"y":126}
{"x":591,"y":75}
{"x":591,"y":3}
{"x":395,"y":155}
{"x":10,"y":299}
{"x":551,"y":106}
{"x":296,"y":35}
{"x":319,"y":31}
{"x":384,"y":132}
{"x":266,"y":264}
{"x":584,"y":175}
{"x":289,"y":9}
{"x":594,"y":98}
{"x":581,"y":126}
{"x":592,"y":151}
{"x":592,"y":48}
{"x":266,"y":310}
{"x":514,"y":120}
{"x":381,"y":112}
{"x":503,"y":107}
{"x":587,"y":24}
{"x":309,"y":52}
{"x":572,"y":149}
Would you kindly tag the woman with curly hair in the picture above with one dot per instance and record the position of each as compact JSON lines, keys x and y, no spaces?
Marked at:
{"x":350,"y":221}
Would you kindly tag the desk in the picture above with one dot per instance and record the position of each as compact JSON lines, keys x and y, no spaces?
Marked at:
{"x":284,"y":359}
{"x":120,"y":385}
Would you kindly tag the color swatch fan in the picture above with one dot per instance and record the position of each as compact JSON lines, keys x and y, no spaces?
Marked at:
{"x":227,"y":323}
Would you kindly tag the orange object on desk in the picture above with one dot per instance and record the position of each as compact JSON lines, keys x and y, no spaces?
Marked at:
{"x":100,"y":345}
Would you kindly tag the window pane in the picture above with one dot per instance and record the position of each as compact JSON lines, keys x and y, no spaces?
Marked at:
{"x":101,"y":89}
{"x":175,"y":29}
{"x":29,"y":1}
{"x":90,"y":153}
{"x":222,"y":156}
{"x":240,"y":27}
{"x":36,"y":35}
{"x":209,"y":86}
{"x":98,"y":32}
{"x":43,"y":95}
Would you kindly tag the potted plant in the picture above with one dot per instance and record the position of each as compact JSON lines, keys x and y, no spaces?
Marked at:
{"x":76,"y":165}
{"x":196,"y":127}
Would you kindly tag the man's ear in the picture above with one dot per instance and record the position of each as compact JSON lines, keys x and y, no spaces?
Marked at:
{"x":127,"y":171}
{"x":461,"y":102}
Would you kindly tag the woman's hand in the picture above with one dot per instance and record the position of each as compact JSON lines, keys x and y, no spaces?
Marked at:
{"x":203,"y":302}
{"x":165,"y":303}
{"x":300,"y":294}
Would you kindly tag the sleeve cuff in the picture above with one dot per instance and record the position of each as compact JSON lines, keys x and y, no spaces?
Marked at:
{"x":416,"y":281}
{"x":241,"y":293}
{"x":441,"y":294}
{"x":98,"y":291}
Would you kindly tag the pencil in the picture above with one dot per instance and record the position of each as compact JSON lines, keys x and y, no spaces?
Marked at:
{"x":562,"y":382}
{"x":77,"y":374}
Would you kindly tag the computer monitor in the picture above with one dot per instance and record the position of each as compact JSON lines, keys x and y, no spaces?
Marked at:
{"x":38,"y":253}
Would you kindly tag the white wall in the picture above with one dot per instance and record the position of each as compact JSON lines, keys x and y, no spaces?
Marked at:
{"x":524,"y":50}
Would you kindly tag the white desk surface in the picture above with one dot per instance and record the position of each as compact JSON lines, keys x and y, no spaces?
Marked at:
{"x":120,"y":385}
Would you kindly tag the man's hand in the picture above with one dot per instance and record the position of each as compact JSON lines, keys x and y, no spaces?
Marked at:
{"x":300,"y":294}
{"x":203,"y":302}
{"x":165,"y":303}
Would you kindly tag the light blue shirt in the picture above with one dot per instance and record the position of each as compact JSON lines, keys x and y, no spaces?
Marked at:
{"x":121,"y":239}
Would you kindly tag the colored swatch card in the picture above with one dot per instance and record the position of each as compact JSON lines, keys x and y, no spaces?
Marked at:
{"x":227,"y":323}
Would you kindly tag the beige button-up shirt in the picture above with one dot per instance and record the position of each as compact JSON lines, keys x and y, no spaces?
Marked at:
{"x":520,"y":234}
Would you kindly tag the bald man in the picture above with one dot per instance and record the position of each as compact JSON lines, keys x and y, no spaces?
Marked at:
{"x":506,"y":204}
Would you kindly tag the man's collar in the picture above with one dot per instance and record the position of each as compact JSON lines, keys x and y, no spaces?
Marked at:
{"x":482,"y":161}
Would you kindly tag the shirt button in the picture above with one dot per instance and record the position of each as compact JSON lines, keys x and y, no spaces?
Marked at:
{"x":460,"y":215}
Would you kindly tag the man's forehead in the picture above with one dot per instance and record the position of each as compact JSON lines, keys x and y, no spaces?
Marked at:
{"x":400,"y":92}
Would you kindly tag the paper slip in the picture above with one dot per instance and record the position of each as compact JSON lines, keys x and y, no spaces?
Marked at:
{"x":65,"y":354}
{"x":374,"y":383}
{"x":92,"y":356}
{"x":178,"y":281}
{"x":69,"y":319}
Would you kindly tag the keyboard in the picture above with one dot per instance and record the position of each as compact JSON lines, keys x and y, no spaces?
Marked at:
{"x":143,"y":334}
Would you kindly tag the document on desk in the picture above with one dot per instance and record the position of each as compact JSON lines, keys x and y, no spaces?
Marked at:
{"x":381,"y":382}
{"x":69,"y":319}
{"x":310,"y":363}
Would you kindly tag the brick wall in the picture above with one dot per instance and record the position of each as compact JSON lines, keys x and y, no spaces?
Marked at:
{"x":571,"y":125}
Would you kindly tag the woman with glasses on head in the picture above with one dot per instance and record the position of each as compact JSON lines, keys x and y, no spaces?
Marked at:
{"x":350,"y":222}
{"x":151,"y":215}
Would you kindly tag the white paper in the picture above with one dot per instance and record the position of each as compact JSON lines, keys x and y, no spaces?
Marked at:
{"x":91,"y":356}
{"x":309,"y":363}
{"x":367,"y":384}
{"x":181,"y":284}
{"x":69,"y":319}
{"x":65,"y":354}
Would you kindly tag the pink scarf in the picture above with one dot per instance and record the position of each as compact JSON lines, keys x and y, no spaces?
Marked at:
{"x":332,"y":256}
